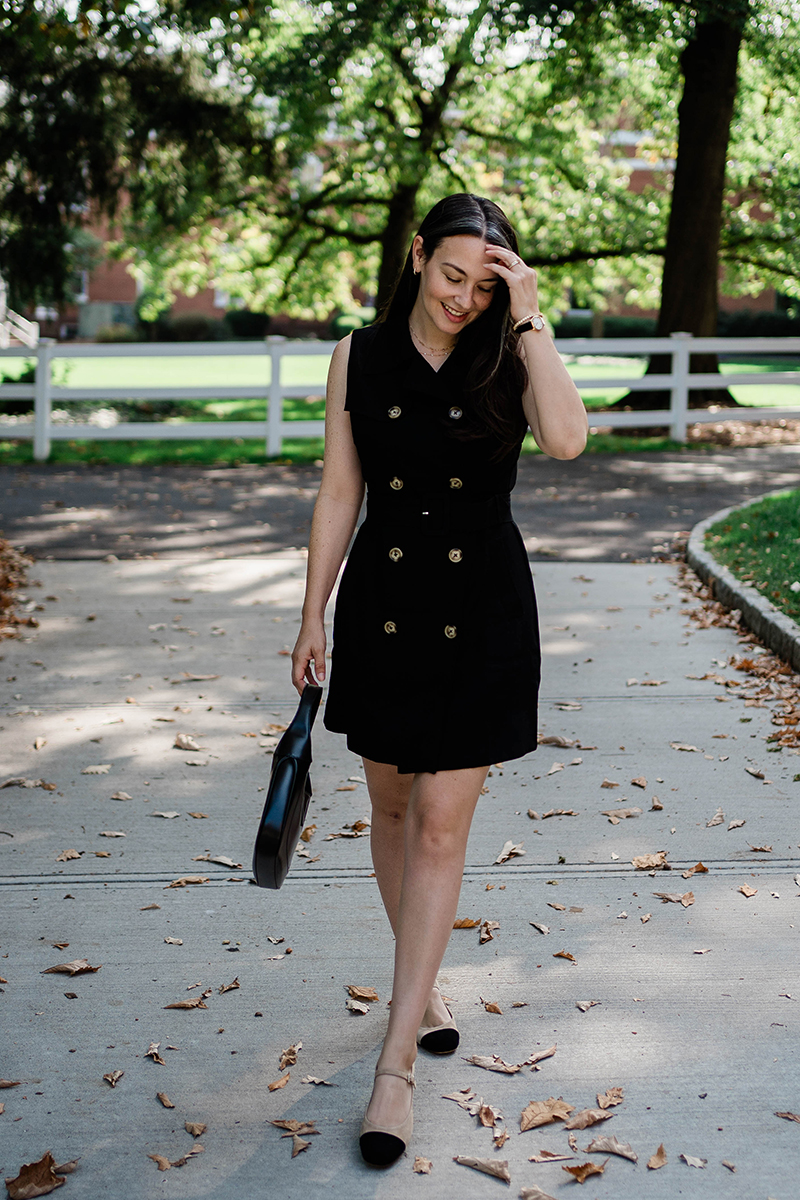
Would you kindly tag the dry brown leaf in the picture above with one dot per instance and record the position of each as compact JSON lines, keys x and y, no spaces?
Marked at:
{"x":557,"y":766}
{"x":493,"y":1063}
{"x":488,"y":1116}
{"x":186,"y":880}
{"x":487,"y":928}
{"x":610,"y":1145}
{"x":466,"y":923}
{"x":161,"y":1162}
{"x":645,"y":918}
{"x":761,"y":849}
{"x":168,"y":816}
{"x":658,"y":1159}
{"x":609,"y":783}
{"x":79,"y":966}
{"x":152,"y":1052}
{"x":298,"y":1145}
{"x":729,"y":1165}
{"x":171,"y":941}
{"x":102,"y":853}
{"x":555,"y":739}
{"x":676,"y":898}
{"x":585,"y":1005}
{"x":534,"y":1193}
{"x":97,"y":769}
{"x":165,"y":1100}
{"x":113,"y":1077}
{"x":737,"y":824}
{"x":691,"y":1161}
{"x":422,"y":1166}
{"x":717,"y":819}
{"x":545,"y":929}
{"x":356,"y":1006}
{"x":683,"y":746}
{"x":68,"y":855}
{"x":464,"y":1099}
{"x":559,"y":812}
{"x":2,"y":1109}
{"x":490,"y":1166}
{"x":316,"y":1080}
{"x":697,"y":869}
{"x":746,"y":890}
{"x":304,"y":1128}
{"x":545,"y":1156}
{"x":279,"y":1083}
{"x":573,"y":1142}
{"x":538,"y":1055}
{"x":492,"y":1006}
{"x":706,"y":951}
{"x":652,"y":862}
{"x":587,"y":1117}
{"x":789,"y":1116}
{"x":112,"y":833}
{"x":185,"y":741}
{"x":558,"y":907}
{"x":232,"y":987}
{"x":655,"y":804}
{"x":121,"y":796}
{"x":308,"y":833}
{"x":510,"y":850}
{"x":615,"y":815}
{"x":198,"y":816}
{"x":534,"y":816}
{"x":35,"y":1179}
{"x":362,"y":993}
{"x":544,"y":1112}
{"x":611,"y":1097}
{"x":195,"y":1128}
{"x":500,"y":1138}
{"x":582,"y":1172}
{"x":639,"y":781}
{"x":565,"y":954}
{"x":754,"y":771}
{"x":194,"y":1002}
{"x":289,"y":1056}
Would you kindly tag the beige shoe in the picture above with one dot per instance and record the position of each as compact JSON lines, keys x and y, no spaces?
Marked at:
{"x":382,"y":1145}
{"x":439,"y":1039}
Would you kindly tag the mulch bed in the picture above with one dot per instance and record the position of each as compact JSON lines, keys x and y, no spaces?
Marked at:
{"x":13,"y":576}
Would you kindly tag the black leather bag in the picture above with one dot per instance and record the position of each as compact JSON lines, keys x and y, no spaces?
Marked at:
{"x":288,"y":795}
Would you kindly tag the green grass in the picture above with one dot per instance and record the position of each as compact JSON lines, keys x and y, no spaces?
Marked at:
{"x":760,"y":544}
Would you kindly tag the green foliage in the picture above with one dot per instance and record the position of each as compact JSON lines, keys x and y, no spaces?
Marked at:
{"x":760,"y":544}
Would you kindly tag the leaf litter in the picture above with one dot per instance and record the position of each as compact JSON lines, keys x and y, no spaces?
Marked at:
{"x":39,"y":1178}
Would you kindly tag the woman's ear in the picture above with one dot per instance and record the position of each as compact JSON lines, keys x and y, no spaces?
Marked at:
{"x":417,"y":254}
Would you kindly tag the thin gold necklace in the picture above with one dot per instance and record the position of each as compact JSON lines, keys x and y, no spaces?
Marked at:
{"x":425,"y":346}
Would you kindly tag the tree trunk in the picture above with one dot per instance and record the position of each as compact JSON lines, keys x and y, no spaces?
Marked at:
{"x":689,"y":290}
{"x":395,"y":239}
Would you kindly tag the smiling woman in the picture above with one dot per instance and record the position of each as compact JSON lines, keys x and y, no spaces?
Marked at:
{"x":435,"y":662}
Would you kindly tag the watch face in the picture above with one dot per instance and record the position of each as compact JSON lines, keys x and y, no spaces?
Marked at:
{"x":538,"y":322}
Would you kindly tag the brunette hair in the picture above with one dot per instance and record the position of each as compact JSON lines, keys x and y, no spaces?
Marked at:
{"x":496,"y":377}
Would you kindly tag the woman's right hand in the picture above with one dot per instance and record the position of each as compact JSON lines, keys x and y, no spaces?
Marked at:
{"x":309,"y":648}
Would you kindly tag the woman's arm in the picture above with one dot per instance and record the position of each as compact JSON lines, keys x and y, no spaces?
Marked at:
{"x":552,"y":404}
{"x":335,"y":514}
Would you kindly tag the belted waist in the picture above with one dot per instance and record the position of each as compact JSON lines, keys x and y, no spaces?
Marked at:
{"x":439,"y":514}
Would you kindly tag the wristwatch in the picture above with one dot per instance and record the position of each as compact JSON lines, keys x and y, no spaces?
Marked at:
{"x":534,"y":321}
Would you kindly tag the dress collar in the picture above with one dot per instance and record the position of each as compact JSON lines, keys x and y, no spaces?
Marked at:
{"x":391,"y":350}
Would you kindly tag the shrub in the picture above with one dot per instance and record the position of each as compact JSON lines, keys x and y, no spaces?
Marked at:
{"x":346,"y":322}
{"x":117,"y":333}
{"x":245,"y":324}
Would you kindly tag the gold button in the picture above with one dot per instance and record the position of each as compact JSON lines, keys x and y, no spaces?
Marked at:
{"x":455,"y":555}
{"x":390,"y":627}
{"x":395,"y":411}
{"x":455,"y":413}
{"x":395,"y":554}
{"x":398,"y":483}
{"x":454,"y":483}
{"x":450,"y":631}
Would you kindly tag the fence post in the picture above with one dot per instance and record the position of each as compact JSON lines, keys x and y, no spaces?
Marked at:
{"x":679,"y":399}
{"x":275,"y":410}
{"x":41,"y":400}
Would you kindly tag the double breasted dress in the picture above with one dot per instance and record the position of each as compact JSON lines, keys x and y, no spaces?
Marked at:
{"x":435,"y":662}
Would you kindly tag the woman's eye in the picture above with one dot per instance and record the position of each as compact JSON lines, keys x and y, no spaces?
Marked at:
{"x":450,"y":280}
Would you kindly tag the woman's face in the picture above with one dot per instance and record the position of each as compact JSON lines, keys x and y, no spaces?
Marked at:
{"x":456,"y":283}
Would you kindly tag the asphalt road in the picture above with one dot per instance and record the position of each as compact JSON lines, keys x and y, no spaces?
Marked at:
{"x":598,"y":508}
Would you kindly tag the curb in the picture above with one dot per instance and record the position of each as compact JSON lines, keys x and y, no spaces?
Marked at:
{"x":775,"y":629}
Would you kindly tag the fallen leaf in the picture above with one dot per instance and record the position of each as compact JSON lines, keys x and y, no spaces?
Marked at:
{"x":639,"y":781}
{"x":308,"y":833}
{"x":186,"y":880}
{"x":121,"y":796}
{"x":221,"y":859}
{"x":683,"y":746}
{"x":500,"y":1138}
{"x":492,"y":1006}
{"x":655,"y":804}
{"x":198,"y":816}
{"x":188,"y":677}
{"x":19,"y":781}
{"x":422,"y":1166}
{"x":279,"y":1083}
{"x":610,"y":1145}
{"x":697,"y":869}
{"x":79,"y":966}
{"x":558,"y":812}
{"x":645,"y":918}
{"x":556,"y":739}
{"x":611,"y":1097}
{"x":168,"y":816}
{"x":102,"y":853}
{"x":541,"y":928}
{"x":538,"y":1055}
{"x":565,"y":954}
{"x":355,"y":1006}
{"x":97,"y":769}
{"x":693,"y":1162}
{"x":152,"y":1052}
{"x":362,"y":993}
{"x":510,"y":850}
{"x":652,"y":862}
{"x":632,"y":682}
{"x":490,"y":1166}
{"x":761,"y":849}
{"x":585,"y":1005}
{"x":234,"y":986}
{"x":557,"y":766}
{"x":165,"y":1100}
{"x":68,"y":855}
{"x":466,"y":923}
{"x":746,"y":890}
{"x":609,"y":783}
{"x":346,"y":787}
{"x":717,"y":819}
{"x":754,"y":771}
{"x":615,"y":815}
{"x":676,"y":898}
{"x":545,"y":1156}
{"x":35,"y":1179}
{"x":729,"y":1165}
{"x":464,"y":1099}
{"x":161,"y":1162}
{"x":112,"y":833}
{"x":534,"y":816}
{"x":789,"y":1116}
{"x":316,"y":1080}
{"x":493,"y":1063}
{"x":185,"y":741}
{"x":195,"y":1128}
{"x":486,"y":933}
{"x":113,"y":1077}
{"x":289,"y":1056}
{"x":706,"y":951}
{"x":587,"y":1117}
{"x":304,"y":1128}
{"x":736,"y":824}
{"x":194,"y":1002}
{"x":171,"y":941}
{"x":534,"y":1193}
{"x":572,"y":1142}
{"x":488,"y":1116}
{"x":658,"y":1159}
{"x":558,"y":907}
{"x":544,"y":1112}
{"x":586,"y":1169}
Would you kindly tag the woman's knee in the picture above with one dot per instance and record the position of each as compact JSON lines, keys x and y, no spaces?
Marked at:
{"x":437,"y":830}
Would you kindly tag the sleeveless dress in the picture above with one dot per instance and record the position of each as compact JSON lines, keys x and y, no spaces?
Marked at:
{"x":435,"y":663}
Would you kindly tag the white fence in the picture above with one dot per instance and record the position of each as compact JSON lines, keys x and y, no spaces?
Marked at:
{"x":679,"y":381}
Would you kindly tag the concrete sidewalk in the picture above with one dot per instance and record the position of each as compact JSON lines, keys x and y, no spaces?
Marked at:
{"x":697,"y":1007}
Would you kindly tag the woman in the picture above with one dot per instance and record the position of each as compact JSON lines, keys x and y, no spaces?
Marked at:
{"x":435,"y":661}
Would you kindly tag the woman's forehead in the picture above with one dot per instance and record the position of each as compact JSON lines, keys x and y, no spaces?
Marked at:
{"x":462,"y":250}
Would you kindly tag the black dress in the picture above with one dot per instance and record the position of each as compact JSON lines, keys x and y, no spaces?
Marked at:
{"x":435,"y":662}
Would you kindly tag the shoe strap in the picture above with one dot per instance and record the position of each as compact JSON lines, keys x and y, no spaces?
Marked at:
{"x":407,"y":1075}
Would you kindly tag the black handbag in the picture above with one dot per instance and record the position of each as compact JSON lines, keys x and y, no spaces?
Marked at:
{"x":288,"y":795}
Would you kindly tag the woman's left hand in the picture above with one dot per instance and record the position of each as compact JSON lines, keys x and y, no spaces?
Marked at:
{"x":522,"y":282}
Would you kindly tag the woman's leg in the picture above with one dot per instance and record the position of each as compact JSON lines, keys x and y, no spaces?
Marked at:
{"x":389,"y":793}
{"x":437,"y":823}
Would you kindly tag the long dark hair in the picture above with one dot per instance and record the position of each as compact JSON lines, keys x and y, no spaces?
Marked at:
{"x":497,"y":377}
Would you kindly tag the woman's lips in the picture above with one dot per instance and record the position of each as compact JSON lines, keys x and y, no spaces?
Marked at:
{"x":451,"y":316}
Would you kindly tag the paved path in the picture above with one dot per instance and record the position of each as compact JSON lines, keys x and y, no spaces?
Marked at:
{"x":603,"y":508}
{"x":694,"y":1018}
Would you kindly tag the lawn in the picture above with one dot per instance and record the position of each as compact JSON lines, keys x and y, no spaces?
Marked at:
{"x":760,"y":544}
